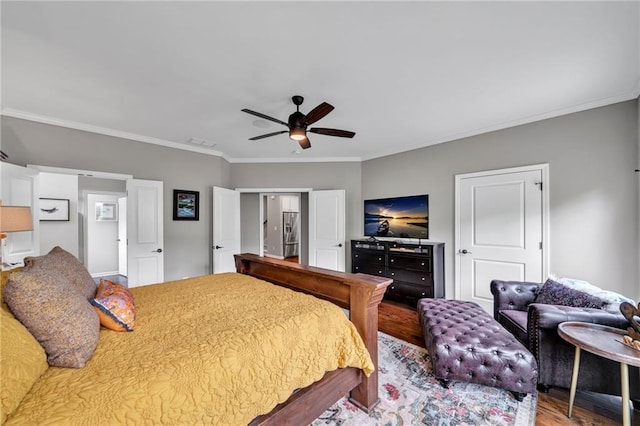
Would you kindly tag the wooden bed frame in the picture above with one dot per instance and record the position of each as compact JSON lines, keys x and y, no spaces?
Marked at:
{"x":359,"y":293}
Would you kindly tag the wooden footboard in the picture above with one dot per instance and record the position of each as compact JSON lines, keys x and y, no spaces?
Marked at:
{"x":359,"y":293}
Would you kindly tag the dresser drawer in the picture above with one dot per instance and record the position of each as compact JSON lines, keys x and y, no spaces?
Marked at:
{"x":372,"y":257}
{"x":407,"y":290}
{"x":368,"y":268}
{"x":407,"y":262}
{"x":416,"y":277}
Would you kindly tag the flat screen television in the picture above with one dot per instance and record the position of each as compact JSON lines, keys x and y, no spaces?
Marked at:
{"x":399,"y":217}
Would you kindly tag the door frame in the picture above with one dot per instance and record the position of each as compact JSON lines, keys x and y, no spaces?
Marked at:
{"x":544,"y":170}
{"x":263,"y":192}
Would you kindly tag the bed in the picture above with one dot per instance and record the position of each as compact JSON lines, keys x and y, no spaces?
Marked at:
{"x":195,"y":361}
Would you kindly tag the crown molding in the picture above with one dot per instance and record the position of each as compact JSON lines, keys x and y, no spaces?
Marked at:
{"x":519,"y":122}
{"x":298,"y":160}
{"x":14,"y":113}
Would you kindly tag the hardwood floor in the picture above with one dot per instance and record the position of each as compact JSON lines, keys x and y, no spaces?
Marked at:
{"x":589,"y":409}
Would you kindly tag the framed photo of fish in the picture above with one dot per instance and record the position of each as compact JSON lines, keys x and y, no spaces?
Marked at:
{"x":53,"y":209}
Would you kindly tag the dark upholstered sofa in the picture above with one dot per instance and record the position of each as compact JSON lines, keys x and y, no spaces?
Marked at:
{"x":535,"y":325}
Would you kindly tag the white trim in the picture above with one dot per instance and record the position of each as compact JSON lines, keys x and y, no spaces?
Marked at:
{"x":633,"y":94}
{"x":298,"y":159}
{"x":78,"y":172}
{"x":273,"y":190}
{"x":9,"y":112}
{"x":546,"y":233}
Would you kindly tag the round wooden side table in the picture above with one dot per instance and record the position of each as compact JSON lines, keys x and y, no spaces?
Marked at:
{"x":606,"y":342}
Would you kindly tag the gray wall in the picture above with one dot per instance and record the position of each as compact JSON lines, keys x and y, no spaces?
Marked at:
{"x":317,"y":176}
{"x":593,"y":189}
{"x":187,"y":243}
{"x":594,"y":193}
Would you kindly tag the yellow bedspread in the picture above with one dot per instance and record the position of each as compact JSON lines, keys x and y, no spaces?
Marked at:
{"x":216,"y":349}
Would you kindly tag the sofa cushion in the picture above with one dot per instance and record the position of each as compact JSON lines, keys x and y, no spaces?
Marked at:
{"x":516,"y":323}
{"x":61,"y":261}
{"x":611,"y":299}
{"x":114,"y":305}
{"x":50,"y":307}
{"x":22,"y":362}
{"x":555,"y":293}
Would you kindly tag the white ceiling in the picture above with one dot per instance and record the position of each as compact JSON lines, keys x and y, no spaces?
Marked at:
{"x":402,"y":75}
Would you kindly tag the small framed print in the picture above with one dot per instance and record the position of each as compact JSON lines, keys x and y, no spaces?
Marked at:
{"x":106,"y":212}
{"x":186,"y":205}
{"x":53,"y":209}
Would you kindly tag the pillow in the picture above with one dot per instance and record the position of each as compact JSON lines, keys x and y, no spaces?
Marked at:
{"x":114,"y":306}
{"x":63,"y":262}
{"x":555,"y":293}
{"x":61,"y":319}
{"x":22,"y":362}
{"x":612,"y":300}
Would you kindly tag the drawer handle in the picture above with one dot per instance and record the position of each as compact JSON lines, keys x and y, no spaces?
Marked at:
{"x":393,"y":260}
{"x":380,"y":272}
{"x":423,"y":293}
{"x":423,"y":278}
{"x":393,"y":274}
{"x":422,"y":264}
{"x":379,"y":258}
{"x":357,"y":255}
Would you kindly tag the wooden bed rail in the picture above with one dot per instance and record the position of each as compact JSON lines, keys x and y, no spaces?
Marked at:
{"x":359,"y":293}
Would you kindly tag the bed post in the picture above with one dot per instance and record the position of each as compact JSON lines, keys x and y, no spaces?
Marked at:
{"x":363,"y":312}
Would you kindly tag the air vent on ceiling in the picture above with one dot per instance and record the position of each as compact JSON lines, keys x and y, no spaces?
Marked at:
{"x":202,"y":142}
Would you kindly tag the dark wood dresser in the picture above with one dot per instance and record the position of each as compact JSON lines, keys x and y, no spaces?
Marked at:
{"x":417,"y":269}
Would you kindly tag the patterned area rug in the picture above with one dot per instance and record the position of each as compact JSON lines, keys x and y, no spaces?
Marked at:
{"x":410,"y":395}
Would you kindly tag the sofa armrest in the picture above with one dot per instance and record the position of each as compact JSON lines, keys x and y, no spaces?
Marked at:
{"x":541,"y":317}
{"x":550,"y":316}
{"x":512,"y":295}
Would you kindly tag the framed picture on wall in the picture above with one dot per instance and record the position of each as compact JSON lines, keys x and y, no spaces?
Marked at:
{"x":53,"y":209}
{"x":186,"y":205}
{"x":106,"y":211}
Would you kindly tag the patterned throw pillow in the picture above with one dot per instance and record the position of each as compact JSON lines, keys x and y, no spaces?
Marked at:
{"x":114,"y":305}
{"x":53,"y":311}
{"x":61,"y":261}
{"x":555,"y":293}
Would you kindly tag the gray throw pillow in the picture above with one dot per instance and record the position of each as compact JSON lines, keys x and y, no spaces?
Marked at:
{"x":62,"y":320}
{"x":63,"y":262}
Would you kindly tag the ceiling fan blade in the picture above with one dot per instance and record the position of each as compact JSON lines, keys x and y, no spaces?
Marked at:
{"x":305,"y":143}
{"x":255,"y":138}
{"x":317,"y":113}
{"x":266,"y":117}
{"x":332,"y":132}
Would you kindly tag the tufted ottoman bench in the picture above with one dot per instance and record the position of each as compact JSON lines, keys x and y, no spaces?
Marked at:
{"x":466,"y":344}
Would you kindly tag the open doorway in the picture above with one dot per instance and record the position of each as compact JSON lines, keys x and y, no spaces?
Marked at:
{"x":281,"y":226}
{"x":105,"y":234}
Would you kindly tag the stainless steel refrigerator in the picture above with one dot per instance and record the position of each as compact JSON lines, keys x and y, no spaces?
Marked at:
{"x":290,"y":241}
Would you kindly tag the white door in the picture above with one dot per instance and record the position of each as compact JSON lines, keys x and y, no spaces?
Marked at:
{"x":499,"y":230}
{"x":226,"y":229}
{"x":326,"y":229}
{"x":20,"y":188}
{"x":122,"y":236}
{"x":145,"y":257}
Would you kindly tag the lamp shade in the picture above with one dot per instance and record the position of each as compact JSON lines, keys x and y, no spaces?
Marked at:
{"x":15,"y":218}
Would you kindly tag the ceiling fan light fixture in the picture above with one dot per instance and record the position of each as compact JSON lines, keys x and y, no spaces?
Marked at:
{"x":297,"y":134}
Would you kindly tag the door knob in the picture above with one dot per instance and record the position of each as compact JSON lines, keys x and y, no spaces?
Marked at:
{"x":217,"y":247}
{"x":464,"y":251}
{"x":339,"y":245}
{"x":157,"y":251}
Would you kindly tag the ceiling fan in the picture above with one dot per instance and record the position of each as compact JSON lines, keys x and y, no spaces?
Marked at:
{"x":298,"y":123}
